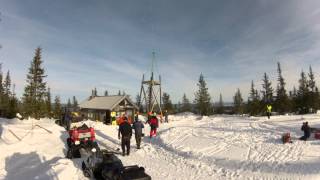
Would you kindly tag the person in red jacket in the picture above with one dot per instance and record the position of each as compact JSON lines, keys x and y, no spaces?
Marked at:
{"x":154,"y":124}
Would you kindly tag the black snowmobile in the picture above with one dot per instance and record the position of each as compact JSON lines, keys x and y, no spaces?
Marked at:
{"x":105,"y":165}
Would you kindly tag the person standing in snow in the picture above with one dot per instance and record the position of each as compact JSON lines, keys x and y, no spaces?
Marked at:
{"x":306,"y":130}
{"x":138,"y":126}
{"x":125,"y":131}
{"x":67,"y":119}
{"x":269,"y":109}
{"x":154,"y":123}
{"x":166,"y":116}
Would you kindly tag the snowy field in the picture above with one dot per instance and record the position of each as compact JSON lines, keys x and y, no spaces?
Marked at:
{"x":188,"y":147}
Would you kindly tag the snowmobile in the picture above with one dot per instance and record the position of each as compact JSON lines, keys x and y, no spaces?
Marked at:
{"x":80,"y":137}
{"x":105,"y":165}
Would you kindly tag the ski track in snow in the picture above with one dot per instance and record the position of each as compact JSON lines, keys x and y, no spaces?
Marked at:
{"x":189,"y":147}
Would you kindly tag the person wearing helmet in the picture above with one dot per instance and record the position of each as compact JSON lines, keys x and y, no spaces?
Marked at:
{"x":154,"y":123}
{"x":125,"y":131}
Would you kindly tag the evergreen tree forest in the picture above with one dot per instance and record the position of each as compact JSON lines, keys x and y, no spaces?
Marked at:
{"x":36,"y":100}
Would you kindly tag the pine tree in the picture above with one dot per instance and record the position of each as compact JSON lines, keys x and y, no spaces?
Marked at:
{"x":7,"y":84}
{"x":69,"y":105}
{"x":313,"y":94}
{"x":13,"y":104}
{"x":57,"y":108}
{"x":106,"y":93}
{"x":202,"y":98}
{"x":220,"y":107}
{"x":48,"y":103}
{"x":95,"y":92}
{"x":35,"y":90}
{"x":178,"y":107}
{"x":238,"y":102}
{"x":167,"y":104}
{"x":282,"y":103}
{"x":6,"y":95}
{"x":74,"y":103}
{"x":119,"y":93}
{"x":253,"y":101}
{"x":1,"y":92}
{"x":302,"y":94}
{"x":267,"y":91}
{"x":185,"y":106}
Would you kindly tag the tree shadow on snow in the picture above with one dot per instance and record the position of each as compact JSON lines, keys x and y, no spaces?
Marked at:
{"x":29,"y":166}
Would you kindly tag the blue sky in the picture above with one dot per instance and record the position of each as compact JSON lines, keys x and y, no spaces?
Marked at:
{"x":108,"y":44}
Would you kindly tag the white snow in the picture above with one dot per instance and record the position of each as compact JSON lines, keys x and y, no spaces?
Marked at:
{"x":188,"y":147}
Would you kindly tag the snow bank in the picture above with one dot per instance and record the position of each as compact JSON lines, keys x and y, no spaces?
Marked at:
{"x":188,"y":147}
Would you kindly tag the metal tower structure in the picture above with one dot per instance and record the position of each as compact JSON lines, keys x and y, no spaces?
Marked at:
{"x":150,"y":92}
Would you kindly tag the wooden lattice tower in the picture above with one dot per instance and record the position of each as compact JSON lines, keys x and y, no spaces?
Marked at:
{"x":150,"y":92}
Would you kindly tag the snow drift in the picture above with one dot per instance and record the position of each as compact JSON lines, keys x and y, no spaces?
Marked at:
{"x":188,"y":147}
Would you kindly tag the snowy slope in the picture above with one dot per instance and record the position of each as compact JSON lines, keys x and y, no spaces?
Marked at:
{"x":188,"y":147}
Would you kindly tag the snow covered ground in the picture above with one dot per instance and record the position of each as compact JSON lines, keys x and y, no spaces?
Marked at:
{"x":188,"y":147}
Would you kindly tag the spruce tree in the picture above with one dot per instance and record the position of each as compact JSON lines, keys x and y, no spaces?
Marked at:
{"x":238,"y":103}
{"x":7,"y":85}
{"x":220,"y":107}
{"x":313,"y":94}
{"x":74,"y":103}
{"x":1,"y":93}
{"x":267,"y":91}
{"x":6,"y":95}
{"x":35,"y":90}
{"x":185,"y":106}
{"x":167,"y":104}
{"x":48,"y":104}
{"x":302,"y":94}
{"x":69,"y":105}
{"x":282,"y":103}
{"x":13,"y":105}
{"x":178,"y":107}
{"x":202,"y":98}
{"x":253,"y":101}
{"x":57,"y":108}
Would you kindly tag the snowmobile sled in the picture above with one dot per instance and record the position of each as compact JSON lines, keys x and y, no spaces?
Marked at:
{"x":80,"y":137}
{"x":105,"y":165}
{"x":286,"y":138}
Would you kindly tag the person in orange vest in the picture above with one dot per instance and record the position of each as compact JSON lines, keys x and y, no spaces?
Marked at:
{"x":120,"y":120}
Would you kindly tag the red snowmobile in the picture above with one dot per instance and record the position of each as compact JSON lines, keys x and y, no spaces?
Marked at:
{"x":80,"y":137}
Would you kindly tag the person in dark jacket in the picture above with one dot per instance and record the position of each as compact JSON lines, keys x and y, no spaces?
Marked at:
{"x":306,"y":130}
{"x":138,"y":126}
{"x":125,"y":131}
{"x":67,"y":120}
{"x":166,"y":116}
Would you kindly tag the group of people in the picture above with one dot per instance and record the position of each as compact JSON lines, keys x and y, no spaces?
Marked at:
{"x":305,"y":126}
{"x":125,"y":131}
